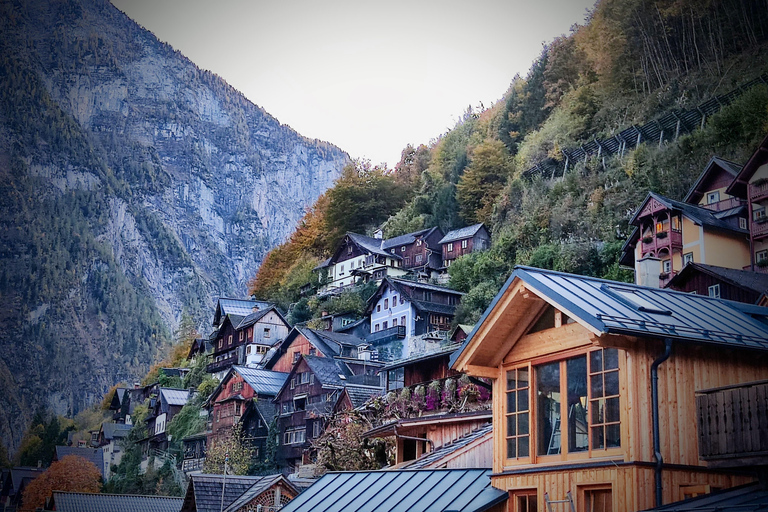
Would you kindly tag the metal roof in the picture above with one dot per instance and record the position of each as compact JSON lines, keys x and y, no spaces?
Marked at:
{"x":438,"y":490}
{"x":258,"y":315}
{"x":435,"y":456}
{"x":372,"y":245}
{"x":620,"y":308}
{"x":83,"y":502}
{"x":264,"y":382}
{"x":328,"y":370}
{"x":240,"y":307}
{"x":744,"y":498}
{"x":359,"y":394}
{"x":173,"y":396}
{"x":701,"y":216}
{"x":94,"y":455}
{"x":406,"y":239}
{"x":458,"y":234}
{"x":114,"y":430}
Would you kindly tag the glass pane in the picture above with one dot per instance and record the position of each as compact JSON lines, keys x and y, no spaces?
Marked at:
{"x":511,"y":426}
{"x":511,"y":402}
{"x":613,"y":436}
{"x":598,"y":410}
{"x":611,"y":356}
{"x":612,"y":383}
{"x":511,"y":381}
{"x":511,"y":452}
{"x":522,"y":446}
{"x":576,"y":374}
{"x":596,"y":361}
{"x":522,"y":400}
{"x":548,"y":405}
{"x":611,"y":410}
{"x":597,"y":438}
{"x":522,"y":423}
{"x":597,"y":385}
{"x":522,"y":378}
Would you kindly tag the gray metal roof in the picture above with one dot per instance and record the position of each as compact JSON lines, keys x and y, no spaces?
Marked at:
{"x":258,"y":315}
{"x":434,"y":457}
{"x":82,"y":502}
{"x":406,"y":239}
{"x":620,"y":308}
{"x":372,"y":245}
{"x":328,"y":371}
{"x":461,"y":233}
{"x":264,"y":382}
{"x":94,"y":455}
{"x":205,"y":490}
{"x":744,"y":498}
{"x":173,"y":396}
{"x":358,"y":394}
{"x":240,"y":307}
{"x":440,"y":490}
{"x":115,"y":430}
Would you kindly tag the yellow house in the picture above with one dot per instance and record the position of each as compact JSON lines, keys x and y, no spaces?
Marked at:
{"x":595,"y":388}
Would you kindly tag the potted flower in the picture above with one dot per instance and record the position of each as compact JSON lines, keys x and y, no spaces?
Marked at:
{"x":661,"y":234}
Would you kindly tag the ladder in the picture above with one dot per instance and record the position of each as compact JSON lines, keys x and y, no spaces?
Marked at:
{"x":568,"y":499}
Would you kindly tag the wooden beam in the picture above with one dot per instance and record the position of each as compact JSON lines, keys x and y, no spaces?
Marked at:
{"x":482,"y":371}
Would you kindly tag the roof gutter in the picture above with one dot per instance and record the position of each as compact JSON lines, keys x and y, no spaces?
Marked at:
{"x":655,"y":409}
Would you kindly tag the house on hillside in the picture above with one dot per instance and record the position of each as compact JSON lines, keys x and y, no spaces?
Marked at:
{"x":245,"y":341}
{"x":163,"y":406}
{"x":420,"y":251}
{"x":245,"y":396}
{"x":720,"y":282}
{"x":110,"y":440}
{"x":432,"y":407}
{"x":463,"y":241}
{"x":593,"y":378}
{"x":751,"y":184}
{"x":237,"y":307}
{"x":13,"y":483}
{"x":216,"y":493}
{"x":94,"y":455}
{"x":307,"y":400}
{"x":408,"y":317}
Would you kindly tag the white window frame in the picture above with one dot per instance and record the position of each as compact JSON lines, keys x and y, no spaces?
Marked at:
{"x":713,"y":197}
{"x":761,"y":256}
{"x":714,"y":291}
{"x":687,"y":258}
{"x":463,"y":244}
{"x":666,"y":265}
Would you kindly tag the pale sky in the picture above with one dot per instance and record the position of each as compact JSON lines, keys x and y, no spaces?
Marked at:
{"x":367,"y":77}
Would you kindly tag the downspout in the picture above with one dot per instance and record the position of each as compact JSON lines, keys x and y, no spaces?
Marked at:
{"x":655,"y":406}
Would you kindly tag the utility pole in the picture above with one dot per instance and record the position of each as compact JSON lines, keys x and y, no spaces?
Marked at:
{"x":224,"y":480}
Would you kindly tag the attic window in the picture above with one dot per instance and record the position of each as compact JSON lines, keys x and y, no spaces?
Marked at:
{"x":342,"y":377}
{"x":632,"y":297}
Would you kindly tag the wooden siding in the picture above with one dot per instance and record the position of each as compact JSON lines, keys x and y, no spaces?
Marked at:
{"x":701,"y":282}
{"x":427,"y":371}
{"x":478,"y":454}
{"x":632,"y":486}
{"x":299,"y":344}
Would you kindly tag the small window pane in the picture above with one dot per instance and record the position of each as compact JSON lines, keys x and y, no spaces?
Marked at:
{"x":598,"y":408}
{"x":511,"y":402}
{"x":522,"y":424}
{"x":522,"y":446}
{"x":596,"y":361}
{"x":511,"y":381}
{"x":611,"y":356}
{"x":597,"y":385}
{"x":597,"y":438}
{"x":611,"y":383}
{"x":612,"y":436}
{"x":522,"y":400}
{"x":511,"y":449}
{"x":511,"y":426}
{"x":612,"y":410}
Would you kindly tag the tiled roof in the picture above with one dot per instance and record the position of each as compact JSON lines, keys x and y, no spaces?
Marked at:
{"x":435,"y":456}
{"x":264,"y":382}
{"x":441,"y":352}
{"x":82,"y":502}
{"x":258,"y":488}
{"x":406,"y":239}
{"x":22,"y":474}
{"x":620,"y":308}
{"x":440,"y":490}
{"x":95,"y":455}
{"x":424,"y":286}
{"x":458,"y":234}
{"x":173,"y":396}
{"x":328,"y":371}
{"x":358,"y":394}
{"x":754,"y":281}
{"x":267,"y":409}
{"x":205,"y":491}
{"x":115,"y":430}
{"x":744,"y":498}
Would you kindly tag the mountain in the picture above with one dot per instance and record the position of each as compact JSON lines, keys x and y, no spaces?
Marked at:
{"x":133,"y":186}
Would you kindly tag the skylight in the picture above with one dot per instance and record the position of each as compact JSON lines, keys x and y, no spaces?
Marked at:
{"x":633,"y":298}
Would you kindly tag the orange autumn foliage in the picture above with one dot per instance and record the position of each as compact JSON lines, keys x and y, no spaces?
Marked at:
{"x":71,"y":473}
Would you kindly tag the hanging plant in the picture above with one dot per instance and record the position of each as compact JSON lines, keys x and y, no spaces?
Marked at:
{"x":432,"y":400}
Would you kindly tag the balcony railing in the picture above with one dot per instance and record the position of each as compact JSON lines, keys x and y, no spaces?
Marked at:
{"x":392,"y":333}
{"x":664,"y":239}
{"x":217,"y":366}
{"x":757,"y":192}
{"x":760,"y":228}
{"x":188,"y":465}
{"x":725,"y":204}
{"x":733,"y":423}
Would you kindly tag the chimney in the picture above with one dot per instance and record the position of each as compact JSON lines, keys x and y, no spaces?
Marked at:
{"x":647,"y":271}
{"x":378,"y":234}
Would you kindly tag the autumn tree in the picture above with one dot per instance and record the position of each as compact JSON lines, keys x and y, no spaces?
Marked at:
{"x":71,"y":474}
{"x":483,"y":180}
{"x":232,"y":447}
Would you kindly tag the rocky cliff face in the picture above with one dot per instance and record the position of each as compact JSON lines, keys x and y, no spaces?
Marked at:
{"x":134,"y":185}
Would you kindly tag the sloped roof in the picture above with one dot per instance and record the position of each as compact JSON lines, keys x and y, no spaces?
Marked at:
{"x":258,"y":315}
{"x":115,"y":430}
{"x":95,"y":455}
{"x":744,"y":498}
{"x":438,"y":490}
{"x":264,"y":382}
{"x":22,"y":474}
{"x":610,"y":307}
{"x":372,"y":245}
{"x":359,"y":394}
{"x":204,"y":490}
{"x":82,"y":502}
{"x":267,"y":409}
{"x":729,"y":167}
{"x":699,"y":215}
{"x":407,"y":239}
{"x":174,"y":396}
{"x":747,"y":279}
{"x":739,"y":185}
{"x":328,"y":370}
{"x":461,"y":233}
{"x":240,"y":307}
{"x":404,"y":287}
{"x":440,"y":352}
{"x":434,"y":457}
{"x":262,"y":485}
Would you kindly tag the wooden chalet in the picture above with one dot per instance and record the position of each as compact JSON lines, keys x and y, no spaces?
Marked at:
{"x":420,"y":251}
{"x":163,"y":406}
{"x":216,"y":493}
{"x":751,"y":184}
{"x":13,"y":483}
{"x":464,"y":241}
{"x":720,"y":282}
{"x":193,"y":456}
{"x":408,"y":317}
{"x":307,"y":399}
{"x":435,"y":410}
{"x":245,"y":341}
{"x":238,"y":307}
{"x":595,"y":402}
{"x":245,"y":396}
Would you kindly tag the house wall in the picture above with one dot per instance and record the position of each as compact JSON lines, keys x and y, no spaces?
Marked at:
{"x":278,"y":330}
{"x":301,"y":345}
{"x":725,"y":249}
{"x":700,"y":283}
{"x":398,"y":311}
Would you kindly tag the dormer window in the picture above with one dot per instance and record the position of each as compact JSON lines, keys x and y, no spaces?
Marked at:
{"x":418,"y":243}
{"x":713,"y":197}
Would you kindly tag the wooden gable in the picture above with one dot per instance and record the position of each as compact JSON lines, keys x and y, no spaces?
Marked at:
{"x":651,"y":206}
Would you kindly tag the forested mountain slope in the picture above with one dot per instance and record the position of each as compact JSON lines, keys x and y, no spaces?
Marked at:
{"x":632,"y":61}
{"x":133,"y":185}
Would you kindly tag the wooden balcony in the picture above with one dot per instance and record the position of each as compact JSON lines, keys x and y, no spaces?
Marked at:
{"x":757,"y":191}
{"x":725,"y":204}
{"x":733,"y":425}
{"x":669,"y":240}
{"x":389,"y":334}
{"x":759,"y":228}
{"x":218,"y":366}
